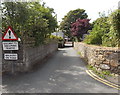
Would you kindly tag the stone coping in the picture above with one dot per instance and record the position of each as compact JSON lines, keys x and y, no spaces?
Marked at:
{"x":100,"y":47}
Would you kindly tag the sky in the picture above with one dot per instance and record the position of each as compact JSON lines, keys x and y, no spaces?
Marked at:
{"x":92,"y":7}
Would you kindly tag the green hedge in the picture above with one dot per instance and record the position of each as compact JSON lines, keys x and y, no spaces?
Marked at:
{"x":106,"y":31}
{"x":100,"y":28}
{"x":112,"y":39}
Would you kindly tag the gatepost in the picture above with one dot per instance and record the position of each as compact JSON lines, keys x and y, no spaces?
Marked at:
{"x":10,"y":46}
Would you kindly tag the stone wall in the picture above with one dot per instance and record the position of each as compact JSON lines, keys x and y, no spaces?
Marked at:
{"x":105,"y":58}
{"x":36,"y":54}
{"x":15,"y":65}
{"x":28,"y":56}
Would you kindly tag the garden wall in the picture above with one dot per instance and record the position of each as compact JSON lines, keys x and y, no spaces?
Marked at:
{"x":28,"y":56}
{"x":103,"y":58}
{"x":37,"y":54}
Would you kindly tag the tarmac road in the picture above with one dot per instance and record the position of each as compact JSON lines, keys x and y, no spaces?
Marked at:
{"x":64,"y":72}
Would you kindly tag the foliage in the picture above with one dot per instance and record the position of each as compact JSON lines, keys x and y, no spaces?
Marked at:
{"x":80,"y":27}
{"x":102,"y":73}
{"x":100,"y":28}
{"x":29,"y":19}
{"x":14,"y":15}
{"x":70,"y":18}
{"x":106,"y":31}
{"x":80,"y":53}
{"x":112,"y":39}
{"x":56,"y":37}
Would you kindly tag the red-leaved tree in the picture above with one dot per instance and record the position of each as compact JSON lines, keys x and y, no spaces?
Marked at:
{"x":80,"y":27}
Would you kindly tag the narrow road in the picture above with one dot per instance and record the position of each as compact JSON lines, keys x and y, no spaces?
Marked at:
{"x":62,"y":73}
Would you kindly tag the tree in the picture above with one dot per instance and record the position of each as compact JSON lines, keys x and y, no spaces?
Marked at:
{"x":70,"y":18}
{"x":106,"y":31}
{"x":79,"y":28}
{"x":101,"y":27}
{"x":112,"y":38}
{"x":15,"y":14}
{"x":29,"y":19}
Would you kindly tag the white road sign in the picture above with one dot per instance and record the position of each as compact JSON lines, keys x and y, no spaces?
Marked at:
{"x":9,"y":56}
{"x":10,"y":45}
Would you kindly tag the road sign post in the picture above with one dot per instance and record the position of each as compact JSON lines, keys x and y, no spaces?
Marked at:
{"x":10,"y":44}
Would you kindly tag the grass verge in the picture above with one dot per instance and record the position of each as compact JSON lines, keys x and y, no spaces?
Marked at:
{"x":99,"y":72}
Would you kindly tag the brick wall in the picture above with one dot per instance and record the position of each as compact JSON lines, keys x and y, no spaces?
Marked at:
{"x":105,"y":58}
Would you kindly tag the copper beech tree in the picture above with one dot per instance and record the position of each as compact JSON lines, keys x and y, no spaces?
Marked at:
{"x":80,"y":27}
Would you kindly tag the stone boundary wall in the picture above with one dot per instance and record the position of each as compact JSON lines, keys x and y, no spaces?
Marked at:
{"x":104,"y":58}
{"x":37,"y":54}
{"x":27,"y":57}
{"x":16,"y":65}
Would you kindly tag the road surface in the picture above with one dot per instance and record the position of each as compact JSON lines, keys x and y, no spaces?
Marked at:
{"x":64,"y":72}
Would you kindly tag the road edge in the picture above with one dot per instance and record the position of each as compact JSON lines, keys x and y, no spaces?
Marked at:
{"x":106,"y":82}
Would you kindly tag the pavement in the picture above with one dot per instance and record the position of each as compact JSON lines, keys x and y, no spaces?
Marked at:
{"x":64,"y":72}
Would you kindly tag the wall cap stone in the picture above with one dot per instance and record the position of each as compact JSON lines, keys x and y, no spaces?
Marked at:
{"x":100,"y":47}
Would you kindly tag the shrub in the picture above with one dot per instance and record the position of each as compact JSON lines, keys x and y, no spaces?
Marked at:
{"x":30,"y":19}
{"x":106,"y":31}
{"x":112,"y":39}
{"x":100,"y":28}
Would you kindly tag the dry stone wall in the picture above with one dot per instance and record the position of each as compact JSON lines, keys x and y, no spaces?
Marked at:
{"x":104,"y":58}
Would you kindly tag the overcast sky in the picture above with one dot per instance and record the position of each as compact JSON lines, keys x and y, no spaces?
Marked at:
{"x":92,"y":7}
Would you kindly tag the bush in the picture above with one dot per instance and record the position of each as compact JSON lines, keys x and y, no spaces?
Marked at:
{"x":106,"y":31}
{"x":112,"y":39}
{"x":29,"y":19}
{"x":100,"y":28}
{"x":55,"y":37}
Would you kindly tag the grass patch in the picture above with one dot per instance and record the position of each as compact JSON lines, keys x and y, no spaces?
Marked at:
{"x":102,"y":74}
{"x":79,"y":53}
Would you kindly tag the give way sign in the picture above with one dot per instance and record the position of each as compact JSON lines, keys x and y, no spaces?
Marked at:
{"x":9,"y":35}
